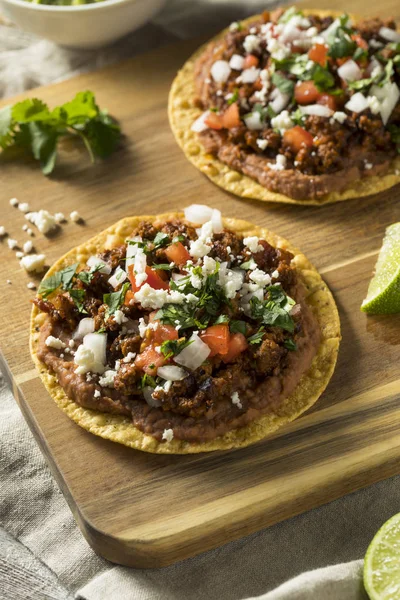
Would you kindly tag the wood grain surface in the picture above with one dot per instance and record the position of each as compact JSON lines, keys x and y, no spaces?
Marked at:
{"x":148,"y":511}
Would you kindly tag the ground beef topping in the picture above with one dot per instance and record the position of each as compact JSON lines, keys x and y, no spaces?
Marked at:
{"x":314,"y":95}
{"x":197,"y":330}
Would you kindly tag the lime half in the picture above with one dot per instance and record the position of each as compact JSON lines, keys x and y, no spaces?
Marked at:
{"x":383,"y":294}
{"x":382,"y":562}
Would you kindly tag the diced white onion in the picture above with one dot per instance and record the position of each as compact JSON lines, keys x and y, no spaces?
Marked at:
{"x":198,"y":213}
{"x":118,"y":277}
{"x":331,"y":30}
{"x":250,"y":75}
{"x":148,"y":396}
{"x":318,"y":110}
{"x":253,"y":121}
{"x":95,"y":261}
{"x":200,"y":125}
{"x":374,"y":68}
{"x":140,"y":262}
{"x":216,"y":220}
{"x":389,"y":34}
{"x":172,"y":373}
{"x":391,"y":97}
{"x":357,"y":103}
{"x":131,"y":251}
{"x":350,"y":71}
{"x":97,"y":343}
{"x":193,"y":355}
{"x":220,"y":71}
{"x":279,"y":100}
{"x":236,"y":62}
{"x":178,"y":276}
{"x":85,"y":326}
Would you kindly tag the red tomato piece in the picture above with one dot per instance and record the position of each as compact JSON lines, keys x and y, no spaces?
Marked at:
{"x":217,"y":338}
{"x":177,"y":253}
{"x":231,"y":117}
{"x":128,"y":297}
{"x":319,"y":54}
{"x":361,"y":43}
{"x":237,"y":345}
{"x":153,"y":279}
{"x":250,"y":61}
{"x":214,"y":121}
{"x":163,"y":333}
{"x":327,"y":100}
{"x":149,"y":360}
{"x":297,"y":138}
{"x":306,"y":93}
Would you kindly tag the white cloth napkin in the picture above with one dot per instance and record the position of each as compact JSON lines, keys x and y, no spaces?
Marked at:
{"x":43,"y":556}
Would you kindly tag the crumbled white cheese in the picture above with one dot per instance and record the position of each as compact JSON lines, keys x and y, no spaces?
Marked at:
{"x":53,"y":342}
{"x":59,"y":217}
{"x":234,"y":26}
{"x":236,"y":63}
{"x":27,"y":247}
{"x":2,"y":230}
{"x":374,"y":104}
{"x":252,"y":243}
{"x":367,"y":165}
{"x":30,"y":232}
{"x":148,"y":297}
{"x":168,"y":435}
{"x":198,"y":248}
{"x":75,"y":216}
{"x":236,"y":400}
{"x":85,"y":361}
{"x":107,"y":380}
{"x":280,"y":163}
{"x":278,"y":50}
{"x":249,"y":75}
{"x":120,"y":317}
{"x":282,"y":121}
{"x":19,"y":254}
{"x":43,"y":220}
{"x":12,"y":243}
{"x":33,"y":262}
{"x":260,"y":277}
{"x":251,"y":43}
{"x":262,"y":144}
{"x":14,"y":202}
{"x":129,"y":357}
{"x":275,"y":274}
{"x":209,"y":266}
{"x":339,"y":116}
{"x":24,"y":207}
{"x":31,"y":285}
{"x":375,"y":44}
{"x":96,"y":394}
{"x":8,"y":282}
{"x":71,"y":343}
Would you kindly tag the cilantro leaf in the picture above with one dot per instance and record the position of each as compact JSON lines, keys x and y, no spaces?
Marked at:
{"x":275,"y":310}
{"x":179,"y":314}
{"x":322,"y":78}
{"x":78,"y":297}
{"x":162,"y":267}
{"x":290,"y":345}
{"x":342,"y":45}
{"x":221,"y":319}
{"x":286,"y":86}
{"x":61,"y":278}
{"x":297,"y":117}
{"x":161,"y":240}
{"x":148,"y":380}
{"x":256,"y":338}
{"x":115,"y":299}
{"x":178,"y":238}
{"x":172,"y":347}
{"x":87,"y":276}
{"x":234,"y":98}
{"x":238,"y":327}
{"x":31,"y":126}
{"x":249,"y":264}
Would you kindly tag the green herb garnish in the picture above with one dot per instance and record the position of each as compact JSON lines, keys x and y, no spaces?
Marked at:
{"x":148,"y":381}
{"x":286,"y":86}
{"x":173,"y":347}
{"x":78,"y":297}
{"x":221,"y":319}
{"x":114,"y":300}
{"x":342,"y":45}
{"x":161,"y":240}
{"x":31,"y":126}
{"x":238,"y":327}
{"x":162,"y":267}
{"x":275,"y":310}
{"x":290,"y":345}
{"x":62,"y":278}
{"x":234,"y":98}
{"x":323,"y":79}
{"x":256,"y":338}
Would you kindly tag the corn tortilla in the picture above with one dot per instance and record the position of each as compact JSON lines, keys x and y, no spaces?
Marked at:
{"x":120,"y":429}
{"x":182,"y":113}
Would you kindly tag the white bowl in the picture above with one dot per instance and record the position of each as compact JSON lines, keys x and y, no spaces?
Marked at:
{"x":84,"y":25}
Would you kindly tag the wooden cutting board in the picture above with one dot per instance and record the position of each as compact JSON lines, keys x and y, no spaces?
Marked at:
{"x":148,"y":511}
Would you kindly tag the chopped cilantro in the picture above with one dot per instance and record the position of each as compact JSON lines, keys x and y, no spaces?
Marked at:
{"x":62,"y":278}
{"x":161,"y":240}
{"x":234,"y":98}
{"x":78,"y":297}
{"x":323,"y":79}
{"x":162,"y":267}
{"x":238,"y":327}
{"x":342,"y":44}
{"x":249,"y":264}
{"x":289,"y":14}
{"x":360,"y":54}
{"x":148,"y":381}
{"x":214,"y":109}
{"x":221,"y":319}
{"x":173,"y":347}
{"x":286,"y":86}
{"x":178,"y":238}
{"x":297,"y":117}
{"x":180,"y":314}
{"x":270,"y":112}
{"x":275,"y":310}
{"x":256,"y":338}
{"x":290,"y":344}
{"x":115,"y":299}
{"x":87,"y":276}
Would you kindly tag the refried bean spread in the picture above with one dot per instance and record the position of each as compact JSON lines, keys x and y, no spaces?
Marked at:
{"x":188,"y":332}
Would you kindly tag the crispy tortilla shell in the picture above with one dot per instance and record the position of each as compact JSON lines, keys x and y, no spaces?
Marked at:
{"x":120,"y":429}
{"x":182,"y":113}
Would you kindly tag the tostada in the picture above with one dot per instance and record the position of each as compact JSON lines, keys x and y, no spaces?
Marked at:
{"x":184,"y":333}
{"x":294,"y":106}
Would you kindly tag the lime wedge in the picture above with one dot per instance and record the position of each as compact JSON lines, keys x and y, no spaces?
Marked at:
{"x":383,"y":296}
{"x":382,"y":562}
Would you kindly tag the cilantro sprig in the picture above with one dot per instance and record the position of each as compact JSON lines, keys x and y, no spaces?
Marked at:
{"x":170,"y":348}
{"x":114,"y":300}
{"x":275,"y":310}
{"x":32,"y":127}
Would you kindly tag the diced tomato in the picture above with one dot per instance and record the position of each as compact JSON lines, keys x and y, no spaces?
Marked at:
{"x":217,"y":338}
{"x":361,"y":43}
{"x":163,"y":333}
{"x":237,"y":345}
{"x":318,"y":53}
{"x":214,"y":121}
{"x":177,"y":253}
{"x":306,"y":92}
{"x":128,"y":297}
{"x":250,"y":61}
{"x":149,"y":360}
{"x":231,"y":117}
{"x":327,"y":100}
{"x":297,"y":138}
{"x":153,"y":279}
